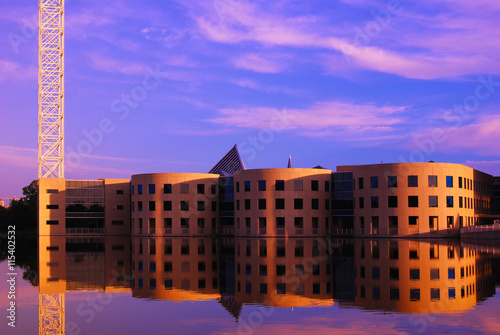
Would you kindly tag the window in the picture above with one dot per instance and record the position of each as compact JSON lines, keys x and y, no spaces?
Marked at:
{"x":460,"y":202}
{"x":280,"y":203}
{"x":281,"y":288}
{"x":247,"y":186}
{"x":394,"y":293}
{"x":262,"y":270}
{"x":50,"y":190}
{"x":449,"y":201}
{"x":280,"y":222}
{"x":314,"y":185}
{"x":392,"y":181}
{"x":298,"y":185}
{"x":262,"y":203}
{"x":414,"y":274}
{"x":451,"y":273}
{"x":263,"y":288}
{"x":184,"y":188}
{"x":247,"y":204}
{"x":262,"y":222}
{"x":299,"y":222}
{"x":52,"y":222}
{"x":151,"y":188}
{"x":213,"y":189}
{"x":167,"y":205}
{"x":449,"y":181}
{"x":459,"y":182}
{"x":200,"y":188}
{"x":327,"y":203}
{"x":167,"y":188}
{"x":434,"y":274}
{"x":117,"y":222}
{"x":152,"y":205}
{"x":361,"y":183}
{"x":374,"y":182}
{"x":327,"y":186}
{"x":167,"y":223}
{"x":139,"y":189}
{"x":412,"y":201}
{"x":262,"y":185}
{"x":433,"y":222}
{"x":52,"y":206}
{"x":361,"y":202}
{"x":315,"y":203}
{"x":412,"y":181}
{"x":414,"y":294}
{"x":393,"y":222}
{"x":214,"y":206}
{"x":449,"y":221}
{"x":392,"y":201}
{"x":184,"y":205}
{"x":280,"y":270}
{"x":237,"y":186}
{"x":375,"y":273}
{"x":435,"y":294}
{"x":139,"y":206}
{"x":298,"y":203}
{"x":248,"y":269}
{"x":451,"y":293}
{"x":433,"y":181}
{"x":433,"y":201}
{"x":119,"y":191}
{"x":280,"y":185}
{"x":413,"y":220}
{"x":394,"y":273}
{"x":374,"y":202}
{"x":201,"y":206}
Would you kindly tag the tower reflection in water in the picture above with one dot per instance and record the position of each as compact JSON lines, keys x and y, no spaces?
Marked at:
{"x":391,"y":275}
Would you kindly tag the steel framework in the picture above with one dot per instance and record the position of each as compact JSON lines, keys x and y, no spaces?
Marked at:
{"x":51,"y":89}
{"x":51,"y":314}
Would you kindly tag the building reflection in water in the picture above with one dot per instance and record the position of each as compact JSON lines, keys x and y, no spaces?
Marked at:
{"x":390,"y":275}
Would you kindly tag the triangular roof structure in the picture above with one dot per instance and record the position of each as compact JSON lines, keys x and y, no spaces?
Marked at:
{"x":229,"y":164}
{"x":230,"y":304}
{"x":290,"y":165}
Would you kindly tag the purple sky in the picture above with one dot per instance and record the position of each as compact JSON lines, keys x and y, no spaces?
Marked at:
{"x":175,"y":84}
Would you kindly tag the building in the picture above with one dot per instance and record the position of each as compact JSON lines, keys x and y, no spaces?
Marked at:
{"x":380,"y":200}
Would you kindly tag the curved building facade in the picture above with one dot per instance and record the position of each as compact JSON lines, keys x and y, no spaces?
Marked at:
{"x":180,"y":204}
{"x":404,"y":199}
{"x":282,"y":202}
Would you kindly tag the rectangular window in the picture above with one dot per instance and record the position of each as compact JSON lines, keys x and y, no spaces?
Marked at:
{"x":413,"y":220}
{"x":262,"y":185}
{"x":299,"y":222}
{"x":280,"y":203}
{"x":237,"y":186}
{"x":412,"y":181}
{"x":327,"y":203}
{"x":412,"y":201}
{"x":139,"y":189}
{"x":214,"y":206}
{"x":435,"y":294}
{"x":433,"y":181}
{"x":52,"y":206}
{"x":280,"y":222}
{"x":200,"y":188}
{"x":298,"y":185}
{"x":414,"y":274}
{"x":361,"y":202}
{"x":434,"y":274}
{"x":361,"y":183}
{"x":119,"y":191}
{"x":451,"y":273}
{"x":374,"y":202}
{"x":167,"y":205}
{"x":152,"y":205}
{"x":315,"y":203}
{"x":185,"y":222}
{"x":139,"y":206}
{"x":393,"y":222}
{"x":201,"y":206}
{"x":262,"y":203}
{"x":151,"y":188}
{"x":247,"y":185}
{"x":460,"y":202}
{"x":451,"y":293}
{"x":459,"y":182}
{"x":167,"y":223}
{"x":167,"y":188}
{"x":392,"y":181}
{"x":298,"y":203}
{"x":374,"y":182}
{"x":449,"y":181}
{"x":393,"y":273}
{"x":414,"y":294}
{"x":280,"y":185}
{"x":449,"y":201}
{"x":449,"y":221}
{"x":184,"y":205}
{"x":213,"y":189}
{"x":375,"y":273}
{"x":314,"y":185}
{"x":327,"y":186}
{"x":52,"y":222}
{"x":247,"y":204}
{"x":392,"y":201}
{"x":433,"y":201}
{"x":394,"y":293}
{"x":51,"y":190}
{"x":117,"y":223}
{"x":433,"y":222}
{"x":184,"y":188}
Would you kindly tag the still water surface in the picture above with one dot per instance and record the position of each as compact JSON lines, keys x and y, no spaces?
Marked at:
{"x":118,"y":285}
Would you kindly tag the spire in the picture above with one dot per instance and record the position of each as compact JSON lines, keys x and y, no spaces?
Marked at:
{"x":229,"y":164}
{"x":290,"y":165}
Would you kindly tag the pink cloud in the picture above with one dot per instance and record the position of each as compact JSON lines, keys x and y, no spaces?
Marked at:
{"x":258,"y":63}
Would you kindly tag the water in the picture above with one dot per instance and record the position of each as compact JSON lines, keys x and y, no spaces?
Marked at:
{"x":118,"y":285}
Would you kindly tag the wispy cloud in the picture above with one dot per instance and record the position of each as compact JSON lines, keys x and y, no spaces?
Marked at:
{"x":258,"y":63}
{"x":12,"y":72}
{"x":17,"y":156}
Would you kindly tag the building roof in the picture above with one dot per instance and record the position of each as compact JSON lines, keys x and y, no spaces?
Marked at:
{"x":230,"y":304}
{"x":229,"y":164}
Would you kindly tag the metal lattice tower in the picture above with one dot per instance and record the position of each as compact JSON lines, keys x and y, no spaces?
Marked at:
{"x":51,"y":314}
{"x":51,"y":89}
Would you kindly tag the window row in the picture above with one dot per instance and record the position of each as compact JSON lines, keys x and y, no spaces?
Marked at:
{"x":279,"y":185}
{"x":281,"y":270}
{"x":435,"y":293}
{"x":184,"y":248}
{"x":392,"y":202}
{"x":281,"y":288}
{"x":168,"y":267}
{"x":168,"y":283}
{"x":414,"y":273}
{"x":167,"y":223}
{"x":167,"y":188}
{"x":167,"y":206}
{"x":414,"y":222}
{"x":298,"y":222}
{"x":298,"y":203}
{"x":432,"y":181}
{"x":414,"y":253}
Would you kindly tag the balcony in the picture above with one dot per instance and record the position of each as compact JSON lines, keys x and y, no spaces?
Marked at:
{"x":280,"y":231}
{"x":185,"y":230}
{"x":393,"y":231}
{"x":299,"y":231}
{"x":262,"y":231}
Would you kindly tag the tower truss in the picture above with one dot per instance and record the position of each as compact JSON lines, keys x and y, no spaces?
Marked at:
{"x":51,"y":314}
{"x":51,"y":89}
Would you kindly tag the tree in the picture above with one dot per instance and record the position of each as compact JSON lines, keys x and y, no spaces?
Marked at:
{"x":23,"y":212}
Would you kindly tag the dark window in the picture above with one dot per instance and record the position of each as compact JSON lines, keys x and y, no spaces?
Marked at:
{"x":237,"y":186}
{"x":298,"y":203}
{"x":119,"y":191}
{"x":167,"y":205}
{"x":433,"y":201}
{"x":374,"y":202}
{"x":151,"y":188}
{"x":459,"y":182}
{"x":167,"y":223}
{"x":392,"y":201}
{"x":315,"y":203}
{"x":327,"y":186}
{"x":433,"y":181}
{"x":314,"y":185}
{"x":247,"y":204}
{"x":361,"y":183}
{"x":201,"y":205}
{"x":214,"y":206}
{"x":434,"y":274}
{"x":185,"y":222}
{"x":361,"y":202}
{"x":394,"y":293}
{"x":414,"y":294}
{"x":412,"y":201}
{"x":413,"y":220}
{"x":376,"y":292}
{"x":374,"y":182}
{"x":280,"y":222}
{"x":280,"y":185}
{"x":375,"y":273}
{"x":52,"y":222}
{"x":49,"y":190}
{"x":262,"y":185}
{"x":280,"y":270}
{"x":200,"y":188}
{"x":435,"y":294}
{"x":167,"y":188}
{"x":281,"y":288}
{"x":262,"y":203}
{"x":392,"y":181}
{"x":299,"y":222}
{"x":184,"y":205}
{"x":52,"y":206}
{"x":394,"y":273}
{"x":280,"y":203}
{"x":449,"y":181}
{"x":414,"y":274}
{"x":247,"y":186}
{"x":262,"y":270}
{"x":152,"y":205}
{"x":451,"y":292}
{"x":139,"y":189}
{"x":451,"y":273}
{"x":449,"y":201}
{"x":139,"y":206}
{"x":412,"y":181}
{"x":263,"y":288}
